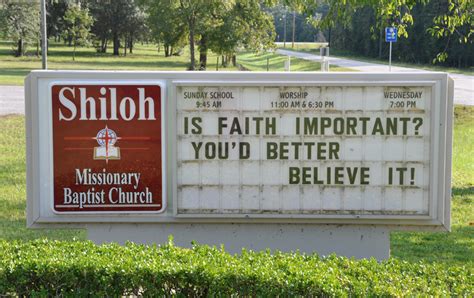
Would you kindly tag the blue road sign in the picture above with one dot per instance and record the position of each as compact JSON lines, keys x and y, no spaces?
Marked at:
{"x":391,"y":34}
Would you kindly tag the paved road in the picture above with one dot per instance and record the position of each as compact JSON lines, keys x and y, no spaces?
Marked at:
{"x":12,"y":100}
{"x":463,"y":84}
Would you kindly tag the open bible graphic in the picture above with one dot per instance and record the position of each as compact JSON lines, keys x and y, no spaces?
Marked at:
{"x":106,"y":138}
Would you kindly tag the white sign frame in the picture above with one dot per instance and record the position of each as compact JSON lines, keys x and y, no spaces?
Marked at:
{"x":441,"y":132}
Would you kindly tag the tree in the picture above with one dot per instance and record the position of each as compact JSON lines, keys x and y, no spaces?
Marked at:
{"x":206,"y":26}
{"x":20,"y":23}
{"x":102,"y":27}
{"x":78,"y":24}
{"x":192,"y":12}
{"x":113,"y":19}
{"x":457,"y":20}
{"x":165,"y":24}
{"x":242,"y":24}
{"x":136,"y":29}
{"x":451,"y":18}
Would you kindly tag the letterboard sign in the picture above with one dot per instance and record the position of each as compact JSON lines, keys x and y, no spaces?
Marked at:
{"x":285,"y":149}
{"x":242,"y":147}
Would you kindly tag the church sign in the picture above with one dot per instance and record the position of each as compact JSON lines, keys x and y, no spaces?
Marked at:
{"x":180,"y":147}
{"x":107,"y":148}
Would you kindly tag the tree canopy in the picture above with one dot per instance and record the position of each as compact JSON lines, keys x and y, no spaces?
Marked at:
{"x":19,"y":21}
{"x":78,"y":23}
{"x":439,"y":29}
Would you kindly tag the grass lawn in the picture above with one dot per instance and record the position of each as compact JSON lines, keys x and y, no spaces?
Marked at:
{"x":145,"y":57}
{"x":313,"y":48}
{"x":456,"y":247}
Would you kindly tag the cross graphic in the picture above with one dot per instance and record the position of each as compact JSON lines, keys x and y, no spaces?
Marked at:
{"x":106,"y":138}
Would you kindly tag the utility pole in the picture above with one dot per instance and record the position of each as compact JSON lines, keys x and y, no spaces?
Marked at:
{"x":284,"y":29}
{"x":294,"y":22}
{"x":44,"y":36}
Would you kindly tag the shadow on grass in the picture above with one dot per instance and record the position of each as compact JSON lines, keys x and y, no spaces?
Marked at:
{"x":135,"y":64}
{"x":463,"y":191}
{"x":18,"y":72}
{"x":17,"y":230}
{"x":261,"y":57}
{"x":453,"y":247}
{"x":90,"y":52}
{"x":6,"y":51}
{"x":84,"y":53}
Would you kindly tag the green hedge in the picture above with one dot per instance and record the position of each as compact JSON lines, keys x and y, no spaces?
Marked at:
{"x":46,"y":268}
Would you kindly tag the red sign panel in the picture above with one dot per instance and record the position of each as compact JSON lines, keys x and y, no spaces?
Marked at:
{"x":107,"y":148}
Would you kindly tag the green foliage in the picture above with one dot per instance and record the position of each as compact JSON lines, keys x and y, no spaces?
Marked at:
{"x":220,"y":26}
{"x":416,"y":45}
{"x":116,"y":21}
{"x":52,"y":268}
{"x":55,"y":17}
{"x":451,"y":19}
{"x":456,"y":22}
{"x":244,"y":25}
{"x":78,"y":23}
{"x":19,"y":22}
{"x":166,"y":26}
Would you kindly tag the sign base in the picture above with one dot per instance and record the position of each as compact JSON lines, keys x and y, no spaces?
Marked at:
{"x":351,"y":241}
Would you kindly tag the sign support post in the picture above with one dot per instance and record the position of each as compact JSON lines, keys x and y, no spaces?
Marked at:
{"x":390,"y":59}
{"x":391,"y":34}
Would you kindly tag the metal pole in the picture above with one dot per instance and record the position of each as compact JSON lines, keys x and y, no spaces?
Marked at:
{"x":293,"y":38}
{"x":284,"y":30}
{"x":44,"y":36}
{"x":390,"y":58}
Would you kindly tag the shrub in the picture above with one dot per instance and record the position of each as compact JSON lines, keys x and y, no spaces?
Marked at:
{"x":81,"y":268}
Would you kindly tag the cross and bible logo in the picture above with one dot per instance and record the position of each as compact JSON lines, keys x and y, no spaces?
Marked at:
{"x":107,"y":142}
{"x":106,"y":138}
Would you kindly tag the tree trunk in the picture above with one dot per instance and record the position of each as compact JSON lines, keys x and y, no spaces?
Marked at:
{"x":103,"y":45}
{"x":167,"y":50}
{"x":124,"y":46}
{"x":38,"y":41}
{"x":203,"y":53}
{"x":293,"y":35}
{"x":329,"y":37}
{"x":192,"y":66}
{"x":116,"y":44}
{"x":130,"y":45}
{"x":234,"y":60}
{"x":380,"y":41}
{"x":74,"y":53}
{"x":19,"y":51}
